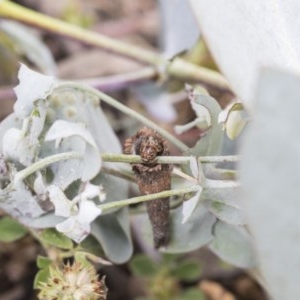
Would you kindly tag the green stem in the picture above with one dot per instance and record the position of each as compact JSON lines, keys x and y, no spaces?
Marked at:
{"x":217,"y":159}
{"x":135,"y":159}
{"x":21,"y":175}
{"x":118,"y":173}
{"x":116,"y":104}
{"x":178,"y":67}
{"x":134,"y":200}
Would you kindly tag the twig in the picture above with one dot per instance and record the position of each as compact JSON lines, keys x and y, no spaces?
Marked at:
{"x":134,"y":200}
{"x":124,"y":158}
{"x":46,"y":162}
{"x":181,"y":174}
{"x":118,"y":173}
{"x":217,"y":159}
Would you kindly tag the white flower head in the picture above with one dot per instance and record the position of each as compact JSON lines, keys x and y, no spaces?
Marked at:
{"x":80,"y":212}
{"x":91,"y":191}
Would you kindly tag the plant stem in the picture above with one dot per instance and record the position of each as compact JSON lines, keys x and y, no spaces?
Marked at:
{"x":217,"y":159}
{"x":134,"y":200}
{"x":178,"y":67}
{"x":118,"y":173}
{"x":124,"y":158}
{"x":116,"y":104}
{"x":21,"y":175}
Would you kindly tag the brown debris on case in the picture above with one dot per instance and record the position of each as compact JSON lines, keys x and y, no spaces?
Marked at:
{"x":152,"y":178}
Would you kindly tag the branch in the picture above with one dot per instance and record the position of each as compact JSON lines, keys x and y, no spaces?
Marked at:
{"x":135,"y":159}
{"x":134,"y":200}
{"x":46,"y":162}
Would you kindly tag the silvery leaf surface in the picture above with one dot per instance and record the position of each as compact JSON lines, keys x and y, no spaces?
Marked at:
{"x":233,"y":244}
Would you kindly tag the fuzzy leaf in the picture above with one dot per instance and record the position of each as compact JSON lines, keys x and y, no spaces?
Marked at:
{"x":210,"y":143}
{"x":20,"y":203}
{"x":187,"y":270}
{"x":41,"y":276}
{"x":194,"y":166}
{"x":28,"y":43}
{"x":78,"y":106}
{"x":228,"y":192}
{"x":46,"y":221}
{"x":29,"y":91}
{"x":189,"y":205}
{"x":110,"y":182}
{"x":252,"y":35}
{"x":91,"y":245}
{"x":226,"y":212}
{"x":69,"y":136}
{"x":11,"y":230}
{"x":23,"y":145}
{"x":221,"y":198}
{"x":9,"y":122}
{"x":269,"y":174}
{"x":43,"y":262}
{"x":54,"y":238}
{"x":192,"y":294}
{"x":234,"y":245}
{"x":143,"y":266}
{"x":82,"y":258}
{"x":192,"y":235}
{"x":173,"y":33}
{"x":112,"y":232}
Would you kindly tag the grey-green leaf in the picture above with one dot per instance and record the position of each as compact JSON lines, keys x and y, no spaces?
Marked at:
{"x":54,"y":238}
{"x":192,"y":294}
{"x":187,"y":270}
{"x":211,"y":142}
{"x":190,"y":205}
{"x":193,"y":234}
{"x":11,"y":230}
{"x":43,"y":262}
{"x":74,"y":136}
{"x":229,"y":213}
{"x":20,"y":203}
{"x":233,"y":244}
{"x":113,"y":233}
{"x":30,"y":45}
{"x":143,"y":266}
{"x":28,"y":91}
